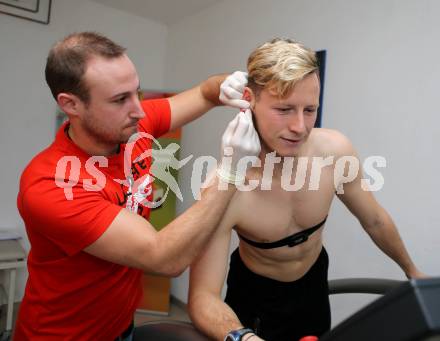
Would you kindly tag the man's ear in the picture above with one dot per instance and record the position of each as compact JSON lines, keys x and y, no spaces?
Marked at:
{"x":249,"y":96}
{"x":69,"y":103}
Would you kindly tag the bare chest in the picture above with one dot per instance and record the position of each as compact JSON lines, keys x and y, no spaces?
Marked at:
{"x":270,"y":215}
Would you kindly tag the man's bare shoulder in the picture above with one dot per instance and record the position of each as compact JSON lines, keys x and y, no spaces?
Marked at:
{"x":330,"y":142}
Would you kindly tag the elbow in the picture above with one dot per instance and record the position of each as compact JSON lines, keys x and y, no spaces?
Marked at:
{"x":165,"y":269}
{"x":176,"y":272}
{"x":377,"y":223}
{"x":156,"y":259}
{"x":172,"y":267}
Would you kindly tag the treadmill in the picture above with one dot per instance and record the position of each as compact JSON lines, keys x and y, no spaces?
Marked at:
{"x":407,"y":311}
{"x":410,"y":312}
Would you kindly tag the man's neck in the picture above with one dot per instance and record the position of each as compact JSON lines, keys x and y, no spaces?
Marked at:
{"x":88,"y":144}
{"x":270,"y":159}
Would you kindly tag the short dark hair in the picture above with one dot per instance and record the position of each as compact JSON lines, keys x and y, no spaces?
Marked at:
{"x":67,"y":60}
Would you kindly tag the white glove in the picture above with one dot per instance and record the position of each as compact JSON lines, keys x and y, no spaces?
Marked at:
{"x":239,"y":140}
{"x":231,"y":90}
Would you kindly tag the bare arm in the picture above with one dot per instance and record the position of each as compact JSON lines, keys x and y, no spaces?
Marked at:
{"x":376,"y":221}
{"x":192,"y":103}
{"x":131,"y":240}
{"x":206,"y":308}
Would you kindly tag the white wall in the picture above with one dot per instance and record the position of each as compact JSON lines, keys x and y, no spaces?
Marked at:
{"x":27,"y":110}
{"x":381,"y":91}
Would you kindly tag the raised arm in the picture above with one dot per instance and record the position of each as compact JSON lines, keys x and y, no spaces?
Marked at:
{"x":216,"y":90}
{"x":374,"y":218}
{"x":130,"y":240}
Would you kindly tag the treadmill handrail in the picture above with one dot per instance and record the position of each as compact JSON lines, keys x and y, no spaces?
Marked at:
{"x":377,"y":286}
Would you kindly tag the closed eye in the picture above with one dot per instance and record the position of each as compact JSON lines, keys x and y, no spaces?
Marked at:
{"x":284,"y":110}
{"x":120,"y":100}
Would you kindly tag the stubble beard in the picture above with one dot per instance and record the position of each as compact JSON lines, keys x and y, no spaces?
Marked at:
{"x":100,"y":134}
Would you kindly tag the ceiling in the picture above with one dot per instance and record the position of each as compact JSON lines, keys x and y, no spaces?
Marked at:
{"x":164,"y":11}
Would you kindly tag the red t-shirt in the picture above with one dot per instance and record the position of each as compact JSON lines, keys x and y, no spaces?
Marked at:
{"x":70,"y":294}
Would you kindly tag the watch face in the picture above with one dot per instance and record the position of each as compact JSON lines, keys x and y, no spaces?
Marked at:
{"x":233,"y":336}
{"x":236,"y":335}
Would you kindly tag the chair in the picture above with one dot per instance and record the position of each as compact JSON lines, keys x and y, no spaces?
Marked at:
{"x":12,"y":257}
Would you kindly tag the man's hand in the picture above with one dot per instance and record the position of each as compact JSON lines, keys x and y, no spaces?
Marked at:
{"x":240,"y":140}
{"x":231,"y":90}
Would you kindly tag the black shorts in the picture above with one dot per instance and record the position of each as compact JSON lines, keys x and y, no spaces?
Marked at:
{"x":276,"y":310}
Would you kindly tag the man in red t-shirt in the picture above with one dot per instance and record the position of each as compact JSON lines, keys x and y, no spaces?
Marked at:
{"x":85,"y":199}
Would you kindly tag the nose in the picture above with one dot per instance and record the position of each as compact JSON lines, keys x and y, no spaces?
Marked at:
{"x":136,"y":110}
{"x":296,"y":123}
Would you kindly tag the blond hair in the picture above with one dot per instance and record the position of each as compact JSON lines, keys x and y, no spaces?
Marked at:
{"x":278,"y":65}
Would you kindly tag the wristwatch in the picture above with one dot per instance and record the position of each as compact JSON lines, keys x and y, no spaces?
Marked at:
{"x":237,"y":335}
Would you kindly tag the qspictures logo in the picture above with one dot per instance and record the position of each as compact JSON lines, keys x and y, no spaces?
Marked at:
{"x":67,"y":173}
{"x":345,"y":170}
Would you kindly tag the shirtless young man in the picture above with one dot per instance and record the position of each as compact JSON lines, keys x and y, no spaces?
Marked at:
{"x":277,"y":286}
